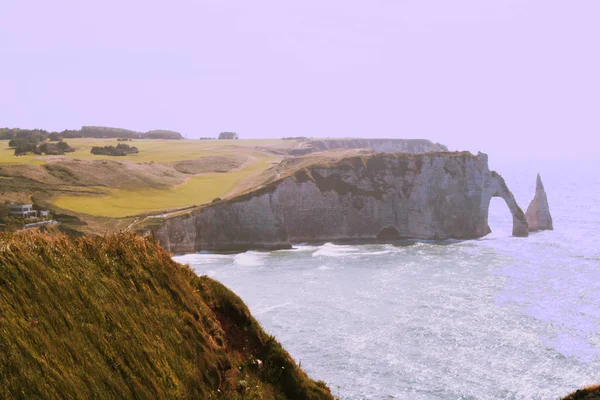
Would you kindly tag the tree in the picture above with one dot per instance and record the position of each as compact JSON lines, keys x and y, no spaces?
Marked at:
{"x":228,"y":136}
{"x":121,"y":150}
{"x":55,"y":137}
{"x":24,"y":148}
{"x":64,"y":147}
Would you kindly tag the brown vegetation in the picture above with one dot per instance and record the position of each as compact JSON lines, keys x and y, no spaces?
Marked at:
{"x":210,"y":164}
{"x":588,"y":393}
{"x":115,"y":317}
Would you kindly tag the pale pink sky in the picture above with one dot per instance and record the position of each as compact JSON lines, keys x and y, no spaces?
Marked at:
{"x":514,"y":78}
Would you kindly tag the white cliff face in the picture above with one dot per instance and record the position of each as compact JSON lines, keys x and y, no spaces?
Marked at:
{"x":380,"y":197}
{"x":538,"y":212}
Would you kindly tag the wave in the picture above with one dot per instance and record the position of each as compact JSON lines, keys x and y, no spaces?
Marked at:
{"x":333,"y":250}
{"x":250,"y":259}
{"x":263,"y":310}
{"x":298,"y":249}
{"x":202,"y":258}
{"x":376,"y":252}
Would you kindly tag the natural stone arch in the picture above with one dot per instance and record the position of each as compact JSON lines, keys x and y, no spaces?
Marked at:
{"x":499,"y":189}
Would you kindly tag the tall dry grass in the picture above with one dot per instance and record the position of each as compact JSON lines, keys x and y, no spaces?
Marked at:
{"x":115,"y":317}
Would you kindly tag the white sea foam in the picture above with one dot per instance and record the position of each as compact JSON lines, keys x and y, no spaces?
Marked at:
{"x":333,"y":250}
{"x":250,"y":259}
{"x":262,"y":310}
{"x":202,"y":258}
{"x":298,"y":249}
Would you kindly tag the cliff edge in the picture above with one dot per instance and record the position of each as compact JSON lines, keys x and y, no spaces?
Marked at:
{"x":433,"y":196}
{"x":538,"y":212}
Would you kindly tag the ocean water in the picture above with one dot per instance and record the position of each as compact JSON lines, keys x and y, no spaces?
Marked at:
{"x":495,"y":318}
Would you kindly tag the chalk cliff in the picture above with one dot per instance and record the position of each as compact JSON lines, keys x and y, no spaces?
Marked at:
{"x":415,"y":146}
{"x":538,"y":212}
{"x":383,"y":196}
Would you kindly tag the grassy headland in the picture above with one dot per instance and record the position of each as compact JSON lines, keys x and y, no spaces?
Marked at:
{"x":115,"y":317}
{"x":108,"y":193}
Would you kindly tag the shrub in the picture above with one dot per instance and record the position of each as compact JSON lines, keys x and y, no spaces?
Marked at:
{"x":228,"y":136}
{"x":64,"y":147}
{"x":120,"y":150}
{"x":25,"y":147}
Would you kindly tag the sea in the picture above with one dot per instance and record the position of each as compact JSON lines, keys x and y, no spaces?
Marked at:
{"x":495,"y":318}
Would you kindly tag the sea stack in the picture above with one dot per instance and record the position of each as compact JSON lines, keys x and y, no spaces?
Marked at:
{"x":538,"y":212}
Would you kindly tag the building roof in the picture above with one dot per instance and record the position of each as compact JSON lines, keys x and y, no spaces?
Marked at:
{"x":20,"y":205}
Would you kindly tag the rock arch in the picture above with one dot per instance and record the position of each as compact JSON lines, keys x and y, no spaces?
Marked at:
{"x":499,"y":189}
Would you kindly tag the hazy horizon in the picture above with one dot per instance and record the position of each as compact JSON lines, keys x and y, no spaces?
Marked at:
{"x":515,"y":79}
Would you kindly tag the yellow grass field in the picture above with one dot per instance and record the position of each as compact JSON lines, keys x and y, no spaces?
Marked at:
{"x":198,"y":190}
{"x":101,"y":197}
{"x":161,"y":151}
{"x":7,"y":156}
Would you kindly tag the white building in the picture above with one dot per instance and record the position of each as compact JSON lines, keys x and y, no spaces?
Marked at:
{"x":22,"y":210}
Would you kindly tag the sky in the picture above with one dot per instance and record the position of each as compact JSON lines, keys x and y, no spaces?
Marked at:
{"x":518,"y":79}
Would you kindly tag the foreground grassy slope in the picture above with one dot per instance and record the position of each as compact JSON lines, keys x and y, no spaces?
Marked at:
{"x":589,"y":393}
{"x":115,"y":317}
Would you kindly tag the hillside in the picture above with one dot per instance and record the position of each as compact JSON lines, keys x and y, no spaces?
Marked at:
{"x":115,"y":317}
{"x":589,"y":393}
{"x":108,"y":193}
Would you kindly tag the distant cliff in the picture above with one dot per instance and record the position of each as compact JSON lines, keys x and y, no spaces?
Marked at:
{"x":415,"y":146}
{"x":379,"y":197}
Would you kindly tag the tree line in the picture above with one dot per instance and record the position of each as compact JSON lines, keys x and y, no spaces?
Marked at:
{"x":39,"y":135}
